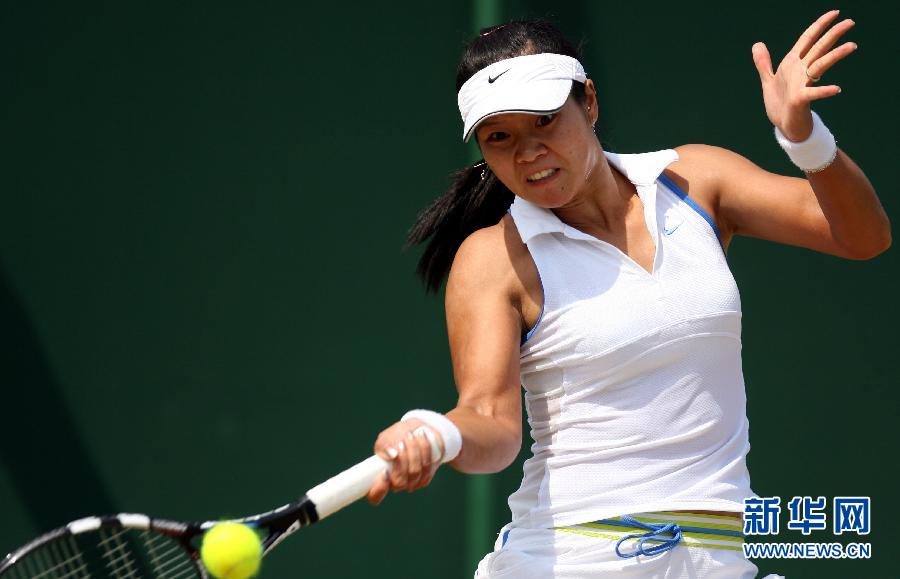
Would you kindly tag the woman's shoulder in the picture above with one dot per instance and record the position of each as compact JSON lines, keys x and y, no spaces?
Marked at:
{"x":490,"y":250}
{"x":492,"y":257}
{"x":702,"y":166}
{"x":696,"y":172}
{"x":696,"y":166}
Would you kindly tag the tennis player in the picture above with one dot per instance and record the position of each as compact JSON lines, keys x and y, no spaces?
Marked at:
{"x":599,"y":282}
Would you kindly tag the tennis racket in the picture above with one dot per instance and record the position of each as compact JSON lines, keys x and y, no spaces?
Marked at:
{"x":132,"y":545}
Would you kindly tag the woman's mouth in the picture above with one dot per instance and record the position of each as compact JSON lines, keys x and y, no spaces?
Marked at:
{"x":540,"y":175}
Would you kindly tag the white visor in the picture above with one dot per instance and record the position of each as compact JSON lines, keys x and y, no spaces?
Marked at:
{"x":535,"y":83}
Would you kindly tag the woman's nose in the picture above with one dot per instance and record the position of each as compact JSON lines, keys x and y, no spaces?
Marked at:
{"x":529,"y":150}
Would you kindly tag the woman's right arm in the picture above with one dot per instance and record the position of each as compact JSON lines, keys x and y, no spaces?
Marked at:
{"x":484,"y":327}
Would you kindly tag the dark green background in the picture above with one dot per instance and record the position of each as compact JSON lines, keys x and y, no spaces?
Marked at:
{"x":204,"y":306}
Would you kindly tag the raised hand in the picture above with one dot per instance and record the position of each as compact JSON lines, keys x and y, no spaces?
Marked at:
{"x":788,"y":91}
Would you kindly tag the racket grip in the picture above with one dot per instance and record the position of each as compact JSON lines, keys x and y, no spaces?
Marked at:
{"x":355,"y":482}
{"x":346,"y":487}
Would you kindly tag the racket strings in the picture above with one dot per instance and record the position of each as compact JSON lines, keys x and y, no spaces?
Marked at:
{"x":167,"y":557}
{"x":118,"y":554}
{"x":60,"y":559}
{"x":108,"y":553}
{"x":70,"y":561}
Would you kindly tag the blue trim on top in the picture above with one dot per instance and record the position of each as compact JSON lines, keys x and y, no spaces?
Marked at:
{"x":526,"y":337}
{"x":693,"y":205}
{"x":543,"y":305}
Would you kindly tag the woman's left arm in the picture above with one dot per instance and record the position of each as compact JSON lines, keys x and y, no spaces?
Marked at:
{"x":835,"y":210}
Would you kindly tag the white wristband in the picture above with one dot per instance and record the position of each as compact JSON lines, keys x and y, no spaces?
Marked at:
{"x":815,"y":153}
{"x":442,"y":425}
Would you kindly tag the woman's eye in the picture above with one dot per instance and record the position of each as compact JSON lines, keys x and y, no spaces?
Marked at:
{"x":545,"y":120}
{"x":497,"y":136}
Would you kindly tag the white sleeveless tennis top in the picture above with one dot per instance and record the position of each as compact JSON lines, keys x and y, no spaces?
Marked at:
{"x":633,"y":381}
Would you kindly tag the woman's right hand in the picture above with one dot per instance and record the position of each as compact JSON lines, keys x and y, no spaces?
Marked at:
{"x":406,"y":447}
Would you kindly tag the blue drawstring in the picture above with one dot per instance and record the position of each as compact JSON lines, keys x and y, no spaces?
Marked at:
{"x":654,"y":534}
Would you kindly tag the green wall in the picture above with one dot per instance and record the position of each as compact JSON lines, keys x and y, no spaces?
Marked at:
{"x":204,"y":305}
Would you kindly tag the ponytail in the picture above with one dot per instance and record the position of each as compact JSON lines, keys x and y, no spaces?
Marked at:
{"x":475,"y":199}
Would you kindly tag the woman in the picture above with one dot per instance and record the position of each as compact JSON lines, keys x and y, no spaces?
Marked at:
{"x":599,"y":282}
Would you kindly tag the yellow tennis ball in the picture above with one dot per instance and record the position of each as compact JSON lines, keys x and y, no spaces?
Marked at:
{"x":231,"y":551}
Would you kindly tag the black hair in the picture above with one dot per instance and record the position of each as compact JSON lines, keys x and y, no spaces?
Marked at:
{"x":476,"y":198}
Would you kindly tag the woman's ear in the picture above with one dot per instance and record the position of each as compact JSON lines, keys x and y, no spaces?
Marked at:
{"x":590,"y":101}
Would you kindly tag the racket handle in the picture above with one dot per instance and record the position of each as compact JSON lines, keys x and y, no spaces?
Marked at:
{"x":355,"y":482}
{"x":346,"y":487}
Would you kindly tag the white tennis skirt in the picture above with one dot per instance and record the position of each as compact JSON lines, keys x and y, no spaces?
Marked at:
{"x":589,"y":550}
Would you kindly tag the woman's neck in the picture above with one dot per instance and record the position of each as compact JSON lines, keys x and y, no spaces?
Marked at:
{"x":603,"y":202}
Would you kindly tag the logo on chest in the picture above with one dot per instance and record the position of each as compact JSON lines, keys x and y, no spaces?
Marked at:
{"x":673,"y":220}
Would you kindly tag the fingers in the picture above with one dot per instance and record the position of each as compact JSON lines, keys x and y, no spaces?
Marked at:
{"x":408,"y":450}
{"x":419,"y":467}
{"x":812,"y":34}
{"x":820,"y":66}
{"x":432,"y":442}
{"x":399,"y":472}
{"x":762,"y":60}
{"x":379,"y":490}
{"x":424,"y":449}
{"x":814,"y":93}
{"x":824,"y":44}
{"x":413,"y":462}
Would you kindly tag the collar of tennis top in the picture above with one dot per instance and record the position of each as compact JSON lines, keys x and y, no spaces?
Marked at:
{"x":642,"y":169}
{"x":534,"y":83}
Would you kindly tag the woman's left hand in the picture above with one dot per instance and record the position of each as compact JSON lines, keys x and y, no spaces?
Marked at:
{"x":787,"y":92}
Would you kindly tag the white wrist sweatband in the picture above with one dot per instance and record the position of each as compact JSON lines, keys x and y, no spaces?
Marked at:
{"x":817,"y":152}
{"x":442,"y":425}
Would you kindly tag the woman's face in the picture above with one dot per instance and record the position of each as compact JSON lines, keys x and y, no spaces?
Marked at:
{"x":546,"y":159}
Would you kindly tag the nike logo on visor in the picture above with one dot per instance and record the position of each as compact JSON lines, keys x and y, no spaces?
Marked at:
{"x":491,"y":79}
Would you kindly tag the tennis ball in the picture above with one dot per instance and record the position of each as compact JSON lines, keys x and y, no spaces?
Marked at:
{"x":231,"y":551}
